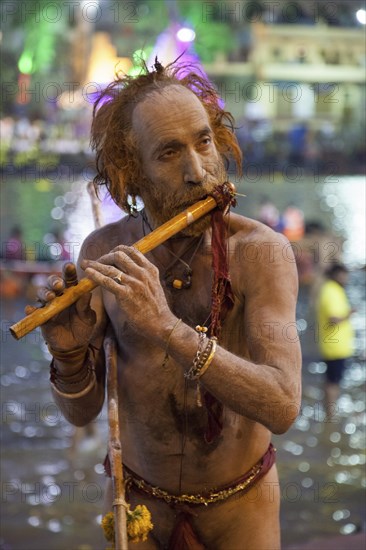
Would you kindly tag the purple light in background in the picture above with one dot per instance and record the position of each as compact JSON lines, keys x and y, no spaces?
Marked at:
{"x":168,"y":47}
{"x":173,"y":43}
{"x":185,"y":34}
{"x":94,"y":96}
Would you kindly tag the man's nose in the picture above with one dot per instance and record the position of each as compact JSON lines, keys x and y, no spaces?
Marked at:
{"x":194,"y":171}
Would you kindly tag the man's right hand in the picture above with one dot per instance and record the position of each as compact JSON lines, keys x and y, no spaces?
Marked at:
{"x":72,"y":328}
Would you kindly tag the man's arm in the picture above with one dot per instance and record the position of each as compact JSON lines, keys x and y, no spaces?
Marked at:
{"x":82,"y":407}
{"x":266,"y":386}
{"x":78,"y":384}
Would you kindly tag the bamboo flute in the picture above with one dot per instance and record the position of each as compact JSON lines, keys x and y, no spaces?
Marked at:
{"x":144,"y":245}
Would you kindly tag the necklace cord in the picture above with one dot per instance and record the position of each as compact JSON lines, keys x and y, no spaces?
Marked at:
{"x":177,"y":257}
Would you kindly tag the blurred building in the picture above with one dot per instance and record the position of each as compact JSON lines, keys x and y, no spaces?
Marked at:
{"x":312,"y":72}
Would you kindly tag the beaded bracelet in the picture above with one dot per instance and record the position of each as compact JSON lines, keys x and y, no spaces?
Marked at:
{"x":68,"y":379}
{"x":202,"y":338}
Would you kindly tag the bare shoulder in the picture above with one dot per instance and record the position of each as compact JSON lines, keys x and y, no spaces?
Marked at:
{"x":263,"y":253}
{"x":101,"y":241}
{"x":247,"y":230}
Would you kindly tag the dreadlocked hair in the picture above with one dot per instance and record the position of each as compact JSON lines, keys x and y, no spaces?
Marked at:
{"x":118,"y":161}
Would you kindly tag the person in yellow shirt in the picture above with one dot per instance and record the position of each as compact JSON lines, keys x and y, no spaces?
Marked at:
{"x":336,"y":333}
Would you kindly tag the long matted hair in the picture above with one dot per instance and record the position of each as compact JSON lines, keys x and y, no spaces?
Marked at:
{"x":118,"y":162}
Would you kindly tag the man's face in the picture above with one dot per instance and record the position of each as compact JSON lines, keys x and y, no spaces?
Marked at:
{"x":179,"y":157}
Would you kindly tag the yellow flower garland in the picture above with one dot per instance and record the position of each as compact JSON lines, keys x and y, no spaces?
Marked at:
{"x":108,"y":526}
{"x":138,"y":524}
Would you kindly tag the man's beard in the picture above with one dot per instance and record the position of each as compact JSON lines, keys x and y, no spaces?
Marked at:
{"x":161,"y":206}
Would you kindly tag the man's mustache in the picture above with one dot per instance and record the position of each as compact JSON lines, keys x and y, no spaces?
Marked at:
{"x":192,"y":197}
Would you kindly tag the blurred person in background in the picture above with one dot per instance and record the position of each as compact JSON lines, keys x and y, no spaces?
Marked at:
{"x":269,"y":214}
{"x":293,"y":222}
{"x":336,"y":334}
{"x":13,"y":249}
{"x":297,"y":140}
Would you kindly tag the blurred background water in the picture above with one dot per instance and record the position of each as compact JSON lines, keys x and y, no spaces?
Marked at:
{"x":293,"y":74}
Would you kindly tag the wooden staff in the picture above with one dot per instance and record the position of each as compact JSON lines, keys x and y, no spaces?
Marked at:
{"x":115,"y":447}
{"x":148,"y":243}
{"x":114,"y":434}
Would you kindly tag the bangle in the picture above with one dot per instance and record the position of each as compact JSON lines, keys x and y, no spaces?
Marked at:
{"x":209,"y":359}
{"x":202,"y":360}
{"x":166,"y":357}
{"x":80,"y":393}
{"x":69,"y":356}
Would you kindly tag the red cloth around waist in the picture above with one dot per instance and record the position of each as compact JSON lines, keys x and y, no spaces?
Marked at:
{"x":183,"y":536}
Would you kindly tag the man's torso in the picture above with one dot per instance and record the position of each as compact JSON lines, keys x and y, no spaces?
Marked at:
{"x":162,"y":425}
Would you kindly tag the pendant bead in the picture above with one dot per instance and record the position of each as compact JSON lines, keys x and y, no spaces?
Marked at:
{"x":178,"y":284}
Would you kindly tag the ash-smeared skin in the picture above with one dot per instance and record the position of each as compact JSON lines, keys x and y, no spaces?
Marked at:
{"x":168,"y":186}
{"x":255,"y":372}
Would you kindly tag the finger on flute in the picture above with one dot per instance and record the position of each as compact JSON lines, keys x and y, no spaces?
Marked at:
{"x":144,"y":245}
{"x":41,"y":315}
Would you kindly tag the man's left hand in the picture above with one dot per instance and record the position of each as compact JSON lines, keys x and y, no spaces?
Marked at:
{"x":135,"y":282}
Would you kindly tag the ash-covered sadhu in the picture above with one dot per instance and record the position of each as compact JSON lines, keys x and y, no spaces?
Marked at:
{"x":208,"y":355}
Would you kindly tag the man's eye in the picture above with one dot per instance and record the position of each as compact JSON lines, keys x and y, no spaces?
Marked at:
{"x":167,"y":154}
{"x":206,"y":141}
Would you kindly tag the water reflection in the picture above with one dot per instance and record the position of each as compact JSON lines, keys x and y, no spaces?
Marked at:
{"x":52,"y":488}
{"x":345,"y":197}
{"x":330,"y":456}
